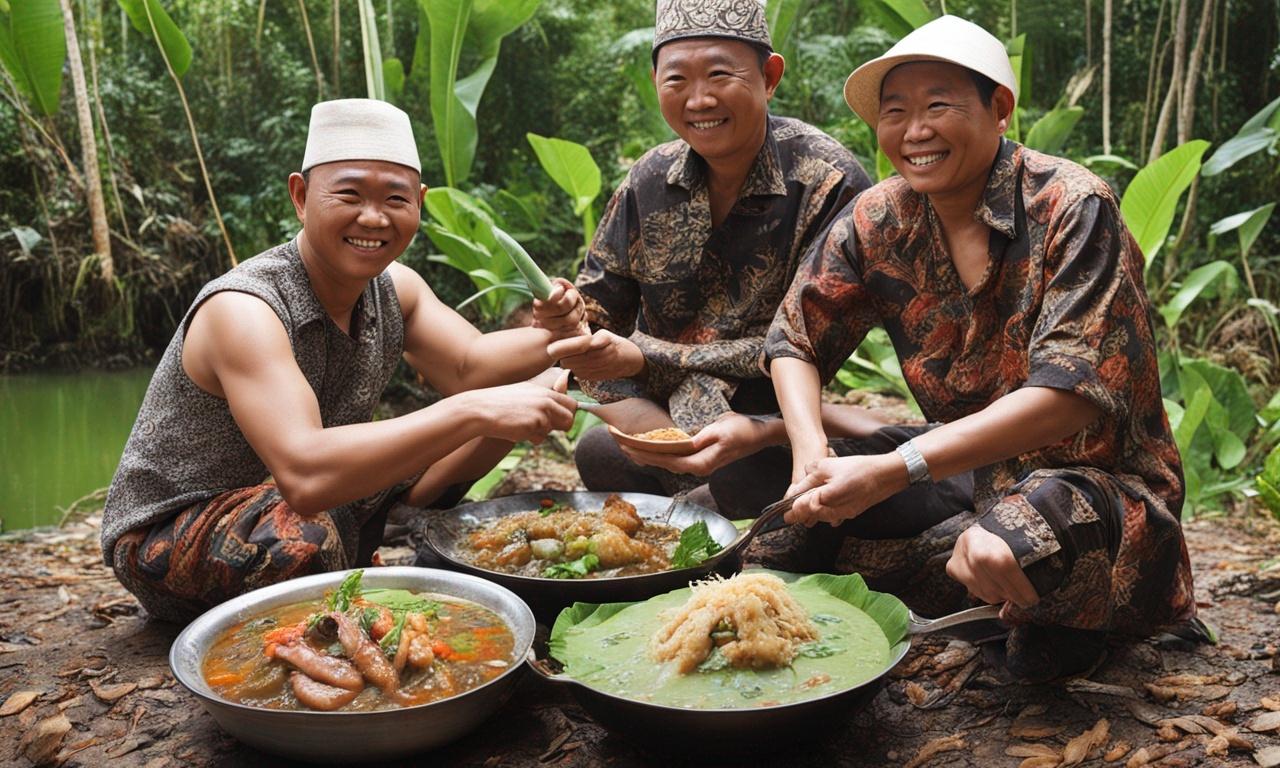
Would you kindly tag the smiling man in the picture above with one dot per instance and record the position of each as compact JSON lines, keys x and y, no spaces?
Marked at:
{"x":1013,"y":293}
{"x":692,"y":256}
{"x":275,"y":372}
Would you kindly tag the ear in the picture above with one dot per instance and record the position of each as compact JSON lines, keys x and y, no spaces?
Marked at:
{"x":1002,"y":103}
{"x":422,"y":196}
{"x":774,"y":66}
{"x":298,"y":194}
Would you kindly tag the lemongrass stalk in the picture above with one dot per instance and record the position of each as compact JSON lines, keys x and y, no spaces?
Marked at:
{"x":533,"y":275}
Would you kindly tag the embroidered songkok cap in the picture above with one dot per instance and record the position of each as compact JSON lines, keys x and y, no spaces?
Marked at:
{"x":359,"y":129}
{"x":947,"y":39}
{"x":736,"y":19}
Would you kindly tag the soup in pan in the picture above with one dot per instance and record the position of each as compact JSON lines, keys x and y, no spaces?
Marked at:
{"x":359,"y":650}
{"x":560,"y":542}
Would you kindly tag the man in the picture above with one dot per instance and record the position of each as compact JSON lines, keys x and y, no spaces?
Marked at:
{"x":276,"y":369}
{"x":1013,"y":294}
{"x":692,"y":256}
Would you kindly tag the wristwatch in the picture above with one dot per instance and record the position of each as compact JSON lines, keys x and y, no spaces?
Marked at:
{"x":917,"y":469}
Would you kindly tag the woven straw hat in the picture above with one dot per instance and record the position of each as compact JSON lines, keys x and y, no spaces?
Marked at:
{"x":735,"y":19}
{"x":947,"y":39}
{"x":359,"y":129}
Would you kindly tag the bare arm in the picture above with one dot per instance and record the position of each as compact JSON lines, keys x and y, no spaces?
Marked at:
{"x":799,"y":393}
{"x":454,"y":356}
{"x":237,"y":348}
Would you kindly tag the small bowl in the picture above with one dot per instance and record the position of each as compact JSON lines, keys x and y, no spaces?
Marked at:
{"x":672,"y":447}
{"x":339,"y":737}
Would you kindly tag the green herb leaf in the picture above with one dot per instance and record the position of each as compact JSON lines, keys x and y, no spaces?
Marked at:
{"x":390,"y":642}
{"x":549,"y":508}
{"x":817,"y":650}
{"x":696,"y":545}
{"x":403,"y":600}
{"x":574,"y":569}
{"x":347,"y":591}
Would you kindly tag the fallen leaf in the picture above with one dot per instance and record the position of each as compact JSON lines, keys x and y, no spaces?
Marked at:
{"x":1220,"y":709}
{"x":1267,"y":721}
{"x":1079,"y":748}
{"x":18,"y":702}
{"x":1032,"y":710}
{"x":1031,"y":731}
{"x":950,"y":743}
{"x":1169,"y":733}
{"x":1179,"y":680}
{"x":1268,"y":757}
{"x":1145,"y":712}
{"x":1217,"y":747}
{"x":1040,"y":762}
{"x":917,"y":694}
{"x":40,"y":744}
{"x":111,"y":693}
{"x":1030,"y":750}
{"x":1118,"y":751}
{"x":1166,"y":693}
{"x":1080,"y":685}
{"x":1271,"y":704}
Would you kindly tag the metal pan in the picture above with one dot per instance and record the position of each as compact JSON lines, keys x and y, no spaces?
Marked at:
{"x":448,"y":529}
{"x":717,"y":733}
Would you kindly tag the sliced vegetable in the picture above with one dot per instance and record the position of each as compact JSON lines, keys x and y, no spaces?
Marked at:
{"x":696,"y":545}
{"x":390,"y":642}
{"x":547,"y":549}
{"x":574,"y":569}
{"x":533,"y":275}
{"x":347,"y":591}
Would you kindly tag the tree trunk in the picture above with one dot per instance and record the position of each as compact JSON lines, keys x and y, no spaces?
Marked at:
{"x":1175,"y":83}
{"x":337,"y":43}
{"x":1186,"y":118}
{"x":1154,"y":68}
{"x":1088,"y":31}
{"x":89,"y":146}
{"x":1106,"y":77}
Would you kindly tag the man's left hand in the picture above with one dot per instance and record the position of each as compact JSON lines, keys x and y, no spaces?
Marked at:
{"x":724,"y":441}
{"x":562,"y":312}
{"x":984,"y":564}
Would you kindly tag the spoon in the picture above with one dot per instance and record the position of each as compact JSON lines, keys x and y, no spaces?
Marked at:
{"x":631,"y":416}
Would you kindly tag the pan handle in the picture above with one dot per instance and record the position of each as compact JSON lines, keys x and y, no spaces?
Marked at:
{"x":920,"y":626}
{"x":543,"y":670}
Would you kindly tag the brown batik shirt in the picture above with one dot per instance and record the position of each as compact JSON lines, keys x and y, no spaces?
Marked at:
{"x":1062,"y":304}
{"x":696,"y":299}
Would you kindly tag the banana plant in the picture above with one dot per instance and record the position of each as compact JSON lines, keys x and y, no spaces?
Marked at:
{"x":474,"y":27}
{"x":572,"y":168}
{"x":32,"y":50}
{"x":461,"y":227}
{"x":1151,"y":199}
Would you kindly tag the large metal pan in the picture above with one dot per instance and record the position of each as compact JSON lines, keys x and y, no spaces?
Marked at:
{"x":717,"y":733}
{"x":448,"y":529}
{"x":334,"y":737}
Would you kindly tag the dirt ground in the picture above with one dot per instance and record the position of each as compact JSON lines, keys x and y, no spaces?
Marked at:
{"x":84,"y":681}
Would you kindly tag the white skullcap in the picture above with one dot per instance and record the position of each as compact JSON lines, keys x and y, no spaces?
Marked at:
{"x":948,"y":39}
{"x":359,"y":129}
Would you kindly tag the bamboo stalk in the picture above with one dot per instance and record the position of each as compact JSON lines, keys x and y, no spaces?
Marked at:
{"x":155,"y":34}
{"x":1153,"y":77}
{"x":311,"y":44}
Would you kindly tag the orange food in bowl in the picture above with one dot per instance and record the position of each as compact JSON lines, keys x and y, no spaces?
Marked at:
{"x":664,"y":434}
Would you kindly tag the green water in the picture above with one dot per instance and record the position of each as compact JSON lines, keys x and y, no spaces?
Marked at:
{"x":61,"y":436}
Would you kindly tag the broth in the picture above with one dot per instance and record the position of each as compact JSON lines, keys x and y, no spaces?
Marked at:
{"x":469,"y":645}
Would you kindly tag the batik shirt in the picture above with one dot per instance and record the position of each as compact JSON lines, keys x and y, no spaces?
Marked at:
{"x":1062,"y":305}
{"x":697,"y":299}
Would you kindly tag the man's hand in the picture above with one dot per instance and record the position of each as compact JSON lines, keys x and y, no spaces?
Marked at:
{"x":525,"y":411}
{"x":562,"y":312}
{"x":724,"y":441}
{"x":843,"y":488}
{"x":599,"y":357}
{"x":984,"y":564}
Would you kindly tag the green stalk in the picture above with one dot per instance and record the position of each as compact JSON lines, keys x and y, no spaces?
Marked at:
{"x":533,"y":275}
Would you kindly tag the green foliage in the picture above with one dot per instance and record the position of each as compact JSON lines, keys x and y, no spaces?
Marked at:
{"x":1201,"y":280}
{"x":1257,"y":134}
{"x":899,"y":17}
{"x":1050,"y":132}
{"x":571,"y":167}
{"x":1152,"y":198}
{"x":462,"y":227}
{"x":781,"y":14}
{"x":32,"y":48}
{"x":476,"y":27}
{"x":1268,"y":484}
{"x":375,"y":83}
{"x":874,"y":367}
{"x":1247,"y":225}
{"x":145,"y":13}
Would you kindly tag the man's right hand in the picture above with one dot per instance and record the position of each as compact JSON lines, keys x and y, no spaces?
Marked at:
{"x":524,"y":411}
{"x":599,"y":357}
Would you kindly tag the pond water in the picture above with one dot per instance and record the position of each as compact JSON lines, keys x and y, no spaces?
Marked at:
{"x":61,"y":436}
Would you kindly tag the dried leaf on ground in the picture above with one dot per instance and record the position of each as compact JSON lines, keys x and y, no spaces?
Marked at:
{"x":1270,"y":703}
{"x":1148,"y":755}
{"x":1041,"y":762}
{"x":112,"y":693}
{"x":1167,"y":693}
{"x":18,"y":702}
{"x":41,"y":742}
{"x":1031,"y":750}
{"x":1220,"y":709}
{"x":950,"y":743}
{"x":1267,"y":721}
{"x":1079,"y":748}
{"x":1121,"y":749}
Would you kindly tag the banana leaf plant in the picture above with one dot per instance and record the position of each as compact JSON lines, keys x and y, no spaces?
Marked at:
{"x":470,"y":29}
{"x":32,"y":49}
{"x":572,"y":168}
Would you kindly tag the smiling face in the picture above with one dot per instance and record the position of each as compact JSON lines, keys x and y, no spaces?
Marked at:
{"x":936,"y":131}
{"x":357,"y":216}
{"x":715,"y":95}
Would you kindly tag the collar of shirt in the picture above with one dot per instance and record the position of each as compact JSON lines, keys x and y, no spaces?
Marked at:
{"x":999,"y":205}
{"x":310,"y":310}
{"x":765,"y":177}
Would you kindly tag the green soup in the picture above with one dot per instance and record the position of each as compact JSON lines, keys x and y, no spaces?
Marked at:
{"x":612,"y":656}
